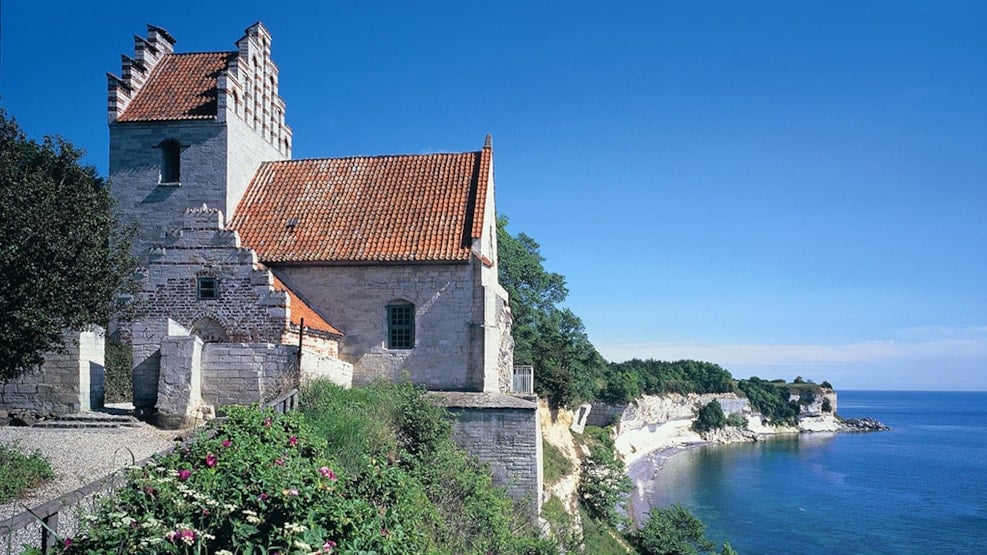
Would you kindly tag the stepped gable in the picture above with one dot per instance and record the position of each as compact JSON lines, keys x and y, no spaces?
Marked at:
{"x":407,"y":208}
{"x":181,"y":87}
{"x":302,"y":310}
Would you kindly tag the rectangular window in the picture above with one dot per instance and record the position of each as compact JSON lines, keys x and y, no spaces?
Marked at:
{"x":207,"y":288}
{"x":400,"y":326}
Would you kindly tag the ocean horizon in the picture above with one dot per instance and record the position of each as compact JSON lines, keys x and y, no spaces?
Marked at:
{"x":919,"y":488}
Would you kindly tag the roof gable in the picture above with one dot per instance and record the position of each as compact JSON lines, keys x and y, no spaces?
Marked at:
{"x":409,"y":208}
{"x":181,"y":87}
{"x":302,"y":311}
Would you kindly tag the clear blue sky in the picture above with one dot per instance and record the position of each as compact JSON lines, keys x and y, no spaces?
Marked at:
{"x":786,"y":188}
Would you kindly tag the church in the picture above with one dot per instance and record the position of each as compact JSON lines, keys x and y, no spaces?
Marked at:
{"x":260,"y":272}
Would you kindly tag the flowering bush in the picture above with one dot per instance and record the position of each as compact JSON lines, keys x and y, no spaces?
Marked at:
{"x":256,"y":483}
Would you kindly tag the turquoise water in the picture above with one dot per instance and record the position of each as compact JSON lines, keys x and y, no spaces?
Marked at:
{"x":920,"y":488}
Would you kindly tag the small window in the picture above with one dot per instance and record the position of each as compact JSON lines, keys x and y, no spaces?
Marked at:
{"x":400,"y":326}
{"x":171,"y":161}
{"x":207,"y":289}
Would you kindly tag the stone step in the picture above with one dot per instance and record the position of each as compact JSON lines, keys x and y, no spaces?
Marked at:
{"x":90,"y":420}
{"x":98,"y":417}
{"x":77,"y":424}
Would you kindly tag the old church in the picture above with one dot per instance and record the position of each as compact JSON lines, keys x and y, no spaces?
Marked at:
{"x":260,"y":271}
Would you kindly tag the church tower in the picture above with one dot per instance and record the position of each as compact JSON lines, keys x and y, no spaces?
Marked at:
{"x":188,"y":130}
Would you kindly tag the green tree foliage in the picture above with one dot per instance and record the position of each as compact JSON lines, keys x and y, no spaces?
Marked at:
{"x":546,"y":335}
{"x":604,"y":484}
{"x":626,"y":380}
{"x":710,"y":417}
{"x":807,"y":397}
{"x":770,"y":400}
{"x":62,"y":256}
{"x":827,"y":406}
{"x":673,"y":530}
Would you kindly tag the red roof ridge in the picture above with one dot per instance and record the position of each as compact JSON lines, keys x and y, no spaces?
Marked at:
{"x":369,"y":156}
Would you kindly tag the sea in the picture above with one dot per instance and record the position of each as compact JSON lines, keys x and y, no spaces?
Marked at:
{"x":920,"y":488}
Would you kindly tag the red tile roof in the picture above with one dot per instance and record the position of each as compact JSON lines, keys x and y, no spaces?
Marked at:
{"x":411,"y":208}
{"x":301,"y":310}
{"x":180,"y":87}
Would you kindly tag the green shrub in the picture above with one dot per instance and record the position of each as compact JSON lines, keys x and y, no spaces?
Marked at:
{"x":672,"y":530}
{"x":770,"y":400}
{"x":826,"y":405}
{"x":118,"y":379}
{"x":264,"y":483}
{"x":555,"y":465}
{"x":562,"y":526}
{"x":737,"y":420}
{"x":710,"y":417}
{"x":604,"y":484}
{"x":807,"y":397}
{"x":19,"y":472}
{"x":600,"y":538}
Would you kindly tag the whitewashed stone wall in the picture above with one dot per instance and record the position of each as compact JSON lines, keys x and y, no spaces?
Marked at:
{"x":448,"y":319}
{"x":241,"y":347}
{"x":67,"y":382}
{"x":135,"y":170}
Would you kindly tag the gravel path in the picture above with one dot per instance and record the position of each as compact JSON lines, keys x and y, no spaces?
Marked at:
{"x":79,"y":456}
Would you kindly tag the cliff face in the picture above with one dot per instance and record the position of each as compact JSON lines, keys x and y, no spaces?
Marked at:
{"x":664,"y":422}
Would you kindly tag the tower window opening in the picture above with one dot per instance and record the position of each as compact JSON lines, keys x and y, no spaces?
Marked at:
{"x":171,"y":161}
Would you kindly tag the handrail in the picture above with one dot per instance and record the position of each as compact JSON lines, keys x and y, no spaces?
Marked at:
{"x":48,"y":512}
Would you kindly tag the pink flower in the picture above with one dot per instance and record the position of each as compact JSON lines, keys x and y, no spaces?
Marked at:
{"x":267,"y":422}
{"x":385,"y":532}
{"x":293,"y":441}
{"x":210,"y":460}
{"x":67,"y":542}
{"x":184,"y":535}
{"x":262,"y":497}
{"x":184,"y":474}
{"x":289,"y":492}
{"x":327,"y":473}
{"x":279,"y":461}
{"x":327,"y":547}
{"x":227,"y":443}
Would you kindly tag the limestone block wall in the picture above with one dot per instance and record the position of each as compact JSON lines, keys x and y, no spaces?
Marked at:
{"x":179,"y":380}
{"x":448,"y":319}
{"x":65,"y":383}
{"x":244,"y":373}
{"x":509,"y":440}
{"x":248,"y":149}
{"x":146,"y":337}
{"x":604,"y":414}
{"x":135,"y":172}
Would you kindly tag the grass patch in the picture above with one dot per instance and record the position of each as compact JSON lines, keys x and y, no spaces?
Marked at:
{"x":19,"y":472}
{"x":554,"y":463}
{"x":600,"y":538}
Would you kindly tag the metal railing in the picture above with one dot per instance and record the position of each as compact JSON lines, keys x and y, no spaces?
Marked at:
{"x":524,"y":379}
{"x":46,"y":516}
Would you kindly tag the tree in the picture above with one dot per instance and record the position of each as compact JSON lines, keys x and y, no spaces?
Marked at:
{"x":710,"y":417}
{"x":62,"y":256}
{"x":673,"y":530}
{"x":547,"y":336}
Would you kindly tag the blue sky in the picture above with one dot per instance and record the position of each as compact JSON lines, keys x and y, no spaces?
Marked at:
{"x":785,"y":188}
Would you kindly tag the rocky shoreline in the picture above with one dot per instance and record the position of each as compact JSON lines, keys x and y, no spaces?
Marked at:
{"x":863,"y":425}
